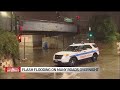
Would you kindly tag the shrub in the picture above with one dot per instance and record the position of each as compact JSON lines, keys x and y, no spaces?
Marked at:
{"x":9,"y":45}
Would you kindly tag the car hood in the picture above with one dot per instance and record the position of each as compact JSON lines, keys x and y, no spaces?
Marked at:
{"x":65,"y":52}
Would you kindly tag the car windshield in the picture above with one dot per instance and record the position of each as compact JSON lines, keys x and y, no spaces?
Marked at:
{"x":73,"y":48}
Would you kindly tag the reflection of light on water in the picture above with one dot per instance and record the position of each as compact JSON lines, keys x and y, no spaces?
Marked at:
{"x":23,"y":76}
{"x":68,"y":75}
{"x":90,"y":75}
{"x":83,"y":75}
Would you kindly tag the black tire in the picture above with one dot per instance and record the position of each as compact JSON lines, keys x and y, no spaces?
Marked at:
{"x":73,"y":62}
{"x":59,"y":65}
{"x":94,"y":57}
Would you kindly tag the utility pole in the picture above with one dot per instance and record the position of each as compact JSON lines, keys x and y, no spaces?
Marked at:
{"x":78,"y":27}
{"x":78,"y":24}
{"x":24,"y":48}
{"x":57,"y":19}
{"x":90,"y":35}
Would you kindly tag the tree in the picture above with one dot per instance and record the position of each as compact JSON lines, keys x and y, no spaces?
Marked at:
{"x":9,"y":46}
{"x":103,"y":28}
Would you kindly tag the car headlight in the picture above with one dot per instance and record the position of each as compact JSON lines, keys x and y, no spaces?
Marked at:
{"x":66,"y":54}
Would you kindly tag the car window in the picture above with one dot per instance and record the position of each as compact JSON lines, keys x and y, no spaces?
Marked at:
{"x":71,"y":48}
{"x":88,"y":46}
{"x":81,"y":48}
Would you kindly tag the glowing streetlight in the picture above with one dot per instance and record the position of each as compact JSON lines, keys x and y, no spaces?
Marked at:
{"x":4,"y":14}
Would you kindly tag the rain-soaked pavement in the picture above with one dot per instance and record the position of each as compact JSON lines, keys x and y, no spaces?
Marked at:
{"x":108,"y":62}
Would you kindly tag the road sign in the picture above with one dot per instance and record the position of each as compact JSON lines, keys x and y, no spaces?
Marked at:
{"x":68,"y":19}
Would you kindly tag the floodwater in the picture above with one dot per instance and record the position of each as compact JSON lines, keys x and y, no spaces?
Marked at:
{"x":108,"y":63}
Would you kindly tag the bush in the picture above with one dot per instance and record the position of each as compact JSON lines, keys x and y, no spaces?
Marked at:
{"x":110,"y":38}
{"x":9,"y":45}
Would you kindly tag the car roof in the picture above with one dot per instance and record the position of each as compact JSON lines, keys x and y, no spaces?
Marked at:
{"x":81,"y":44}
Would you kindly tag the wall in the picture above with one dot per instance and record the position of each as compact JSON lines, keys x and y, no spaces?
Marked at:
{"x":61,"y":41}
{"x":48,"y":26}
{"x":31,"y":40}
{"x":52,"y":42}
{"x":5,"y":23}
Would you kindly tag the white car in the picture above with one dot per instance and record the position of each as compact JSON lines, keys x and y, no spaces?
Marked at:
{"x":76,"y":52}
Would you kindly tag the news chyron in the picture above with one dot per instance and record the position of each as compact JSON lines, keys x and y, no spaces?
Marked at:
{"x":51,"y":69}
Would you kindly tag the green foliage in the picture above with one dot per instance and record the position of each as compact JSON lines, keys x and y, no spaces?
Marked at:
{"x":9,"y":45}
{"x":104,"y":28}
{"x":111,"y":38}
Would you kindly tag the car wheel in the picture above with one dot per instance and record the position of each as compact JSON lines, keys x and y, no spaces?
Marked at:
{"x":94,"y":57}
{"x":73,"y":62}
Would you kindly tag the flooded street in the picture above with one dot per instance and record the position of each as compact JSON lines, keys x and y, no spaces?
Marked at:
{"x":29,"y":40}
{"x":108,"y":62}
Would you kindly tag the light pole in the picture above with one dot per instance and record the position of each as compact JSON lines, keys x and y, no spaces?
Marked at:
{"x":57,"y":19}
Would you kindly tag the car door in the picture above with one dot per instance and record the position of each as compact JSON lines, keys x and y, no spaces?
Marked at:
{"x":89,"y":52}
{"x":82,"y":52}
